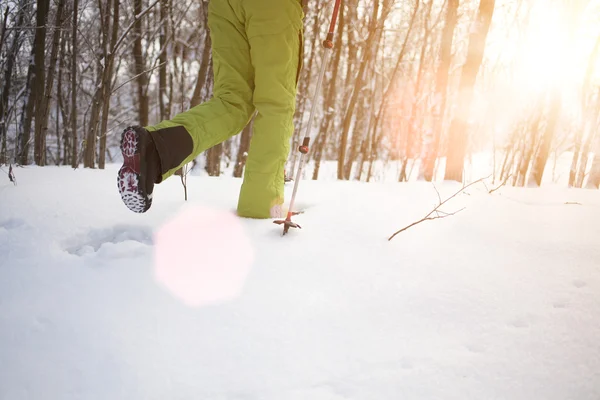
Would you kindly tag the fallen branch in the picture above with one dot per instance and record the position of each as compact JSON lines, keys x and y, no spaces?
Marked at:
{"x":499,"y":186}
{"x":439,"y":214}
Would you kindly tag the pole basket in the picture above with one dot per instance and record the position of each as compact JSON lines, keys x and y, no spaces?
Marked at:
{"x":288,"y":223}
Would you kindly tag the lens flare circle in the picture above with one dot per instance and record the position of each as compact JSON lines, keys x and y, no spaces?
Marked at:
{"x":202,"y":256}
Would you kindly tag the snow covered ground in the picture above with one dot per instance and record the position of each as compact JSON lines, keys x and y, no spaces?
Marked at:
{"x":501,"y":301}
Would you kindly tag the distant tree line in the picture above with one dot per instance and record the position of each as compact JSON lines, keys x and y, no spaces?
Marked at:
{"x":410,"y":82}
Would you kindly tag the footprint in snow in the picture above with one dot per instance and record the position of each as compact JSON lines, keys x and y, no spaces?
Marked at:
{"x":115,"y":242}
{"x":559,"y":304}
{"x":578,"y":283}
{"x":521,"y":322}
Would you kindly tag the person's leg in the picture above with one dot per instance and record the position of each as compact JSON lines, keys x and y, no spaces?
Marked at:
{"x":274,"y":30}
{"x":229,"y":110}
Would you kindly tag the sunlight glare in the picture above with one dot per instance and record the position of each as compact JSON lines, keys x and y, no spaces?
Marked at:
{"x":544,"y":63}
{"x":202,"y":256}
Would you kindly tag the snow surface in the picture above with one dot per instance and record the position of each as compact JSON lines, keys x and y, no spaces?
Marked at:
{"x":187,"y":301}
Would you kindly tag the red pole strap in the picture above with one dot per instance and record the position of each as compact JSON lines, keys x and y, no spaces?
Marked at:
{"x":328,"y":42}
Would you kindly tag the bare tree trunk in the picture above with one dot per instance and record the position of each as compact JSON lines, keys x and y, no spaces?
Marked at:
{"x":571,"y":13}
{"x":377,"y":138}
{"x":373,"y":146}
{"x":202,"y":73}
{"x":304,"y":84}
{"x":103,"y":127}
{"x":205,"y":65}
{"x":329,"y":104}
{"x":62,"y":105}
{"x":593,"y":181}
{"x":412,"y":128}
{"x":374,"y":150}
{"x":590,"y":112}
{"x":318,"y":151}
{"x":227,"y":151}
{"x":89,"y":160}
{"x":357,"y":135}
{"x":576,"y":166}
{"x":242,"y":155}
{"x":366,"y":145}
{"x":140,"y":65}
{"x":42,"y":112}
{"x":591,"y":134}
{"x":367,"y":150}
{"x":204,"y":81}
{"x":441,"y":86}
{"x":58,"y":137}
{"x":59,"y":105}
{"x":171,"y":73}
{"x":351,"y":58}
{"x":74,"y":142}
{"x":510,"y":150}
{"x":24,"y":128}
{"x":458,"y":137}
{"x":539,"y":163}
{"x":509,"y":161}
{"x":364,"y":153}
{"x":182,"y":81}
{"x":107,"y":84}
{"x":529,"y":148}
{"x":213,"y":160}
{"x":576,"y":157}
{"x":34,"y":73}
{"x":162,"y":59}
{"x":594,"y":178}
{"x":11,"y":57}
{"x":102,"y":93}
{"x":3,"y":27}
{"x":214,"y":154}
{"x":3,"y":149}
{"x":363,"y":116}
{"x":39,"y":80}
{"x":355,"y":93}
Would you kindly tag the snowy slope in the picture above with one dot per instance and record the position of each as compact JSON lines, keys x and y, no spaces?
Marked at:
{"x":501,"y":301}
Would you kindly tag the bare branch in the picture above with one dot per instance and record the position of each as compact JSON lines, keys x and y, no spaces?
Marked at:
{"x":439,"y":214}
{"x":183,"y":173}
{"x":133,"y":78}
{"x":502,"y":184}
{"x":486,"y":187}
{"x":130,"y":27}
{"x":463,"y":188}
{"x":438,"y":193}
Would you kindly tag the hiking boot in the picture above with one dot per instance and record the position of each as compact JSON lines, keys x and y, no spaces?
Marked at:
{"x":140,"y":170}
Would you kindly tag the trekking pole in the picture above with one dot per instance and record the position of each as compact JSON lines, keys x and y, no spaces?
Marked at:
{"x":304,"y":147}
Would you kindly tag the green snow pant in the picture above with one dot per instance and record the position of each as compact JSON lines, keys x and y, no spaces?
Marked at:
{"x":256,"y":50}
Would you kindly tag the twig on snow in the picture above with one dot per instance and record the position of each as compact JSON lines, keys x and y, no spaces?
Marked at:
{"x":439,"y":214}
{"x":502,"y":184}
